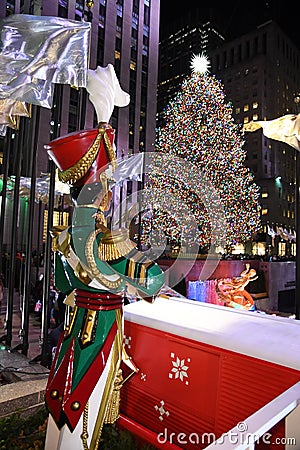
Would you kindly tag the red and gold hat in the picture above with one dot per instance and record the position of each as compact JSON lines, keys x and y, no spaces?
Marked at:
{"x":83,"y":155}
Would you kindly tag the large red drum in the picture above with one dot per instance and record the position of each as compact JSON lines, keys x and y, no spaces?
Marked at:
{"x":203,"y":369}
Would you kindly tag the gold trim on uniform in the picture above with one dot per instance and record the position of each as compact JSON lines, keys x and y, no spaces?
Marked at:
{"x":70,"y":300}
{"x":89,"y":254}
{"x":55,"y":233}
{"x":114,"y":244}
{"x":131,"y":268}
{"x":64,"y":246}
{"x":87,"y":330}
{"x":71,"y":320}
{"x":113,"y":411}
{"x":137,"y":256}
{"x":110,"y":150}
{"x":82,"y":274}
{"x":142,"y":276}
{"x":82,"y":166}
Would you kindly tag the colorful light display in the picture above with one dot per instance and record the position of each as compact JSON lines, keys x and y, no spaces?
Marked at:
{"x":200,"y":130}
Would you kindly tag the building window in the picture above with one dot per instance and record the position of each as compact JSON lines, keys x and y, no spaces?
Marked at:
{"x":264,"y":43}
{"x":119,"y":26}
{"x":246,"y":108}
{"x":259,"y":248}
{"x":135,"y":21}
{"x":73,"y":110}
{"x":133,"y":65}
{"x":146,"y":19}
{"x":63,"y":8}
{"x":264,"y":211}
{"x":79,"y":8}
{"x":238,"y":249}
{"x":239,"y":53}
{"x":231,"y":56}
{"x":247,"y":49}
{"x":129,"y":188}
{"x":256,"y":45}
{"x":265,"y":194}
{"x":225,"y":59}
{"x":59,"y":218}
{"x":281,"y":249}
{"x":119,"y":10}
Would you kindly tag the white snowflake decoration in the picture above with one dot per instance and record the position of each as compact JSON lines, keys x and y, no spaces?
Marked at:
{"x":162,"y":411}
{"x":179,"y":370}
{"x":127,"y":341}
{"x":200,"y":63}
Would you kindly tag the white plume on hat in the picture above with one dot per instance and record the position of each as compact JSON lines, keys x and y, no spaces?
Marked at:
{"x":105,"y":91}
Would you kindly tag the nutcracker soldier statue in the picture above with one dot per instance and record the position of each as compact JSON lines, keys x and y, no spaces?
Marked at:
{"x":93,"y":266}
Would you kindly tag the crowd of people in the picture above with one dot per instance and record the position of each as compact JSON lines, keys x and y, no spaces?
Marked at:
{"x":56,"y":306}
{"x":270,"y":258}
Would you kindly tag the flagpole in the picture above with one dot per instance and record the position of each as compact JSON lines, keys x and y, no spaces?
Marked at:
{"x":18,"y":144}
{"x":9,"y":149}
{"x":56,"y":119}
{"x":28,"y":254}
{"x":297,"y":221}
{"x":297,"y":226}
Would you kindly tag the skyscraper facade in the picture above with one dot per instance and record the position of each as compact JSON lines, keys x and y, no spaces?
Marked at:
{"x":123,"y":33}
{"x":261,"y":76}
{"x":176,"y":50}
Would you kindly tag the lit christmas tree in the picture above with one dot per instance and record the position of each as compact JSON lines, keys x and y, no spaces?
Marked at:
{"x":198,"y":177}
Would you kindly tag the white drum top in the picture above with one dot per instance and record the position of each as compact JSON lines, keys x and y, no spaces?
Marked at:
{"x":270,"y":338}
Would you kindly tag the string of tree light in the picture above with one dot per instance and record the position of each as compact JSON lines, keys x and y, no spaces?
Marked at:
{"x":199,"y":129}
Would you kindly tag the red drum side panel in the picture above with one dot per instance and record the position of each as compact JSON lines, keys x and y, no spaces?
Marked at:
{"x":247,"y":384}
{"x":186,"y":390}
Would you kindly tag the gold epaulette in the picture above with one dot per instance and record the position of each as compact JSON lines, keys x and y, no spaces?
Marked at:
{"x":114,"y":245}
{"x":55,"y":232}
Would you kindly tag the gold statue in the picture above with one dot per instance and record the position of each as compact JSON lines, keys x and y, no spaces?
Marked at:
{"x":233,"y":292}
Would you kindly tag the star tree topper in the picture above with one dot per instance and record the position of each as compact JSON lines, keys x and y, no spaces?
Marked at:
{"x":200,"y":64}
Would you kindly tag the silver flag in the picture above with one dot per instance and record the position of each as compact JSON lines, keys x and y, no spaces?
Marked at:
{"x":37,"y":51}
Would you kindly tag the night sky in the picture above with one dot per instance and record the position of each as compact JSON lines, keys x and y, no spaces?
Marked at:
{"x":236,"y":17}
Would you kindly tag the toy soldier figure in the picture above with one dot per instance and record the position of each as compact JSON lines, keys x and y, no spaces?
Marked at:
{"x":93,"y":266}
